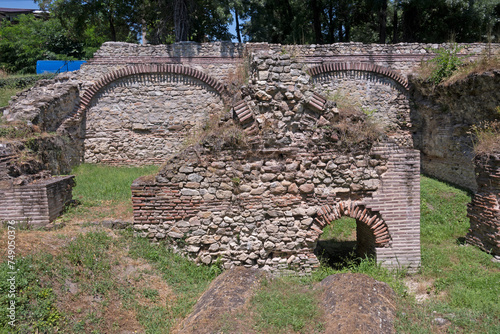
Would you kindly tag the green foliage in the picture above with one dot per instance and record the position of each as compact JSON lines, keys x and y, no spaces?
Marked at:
{"x":96,"y":21}
{"x":31,"y":39}
{"x":368,"y":21}
{"x":22,"y":81}
{"x":445,"y":63}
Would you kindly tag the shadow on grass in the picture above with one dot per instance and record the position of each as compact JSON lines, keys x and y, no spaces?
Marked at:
{"x":337,"y":254}
{"x":460,"y":241}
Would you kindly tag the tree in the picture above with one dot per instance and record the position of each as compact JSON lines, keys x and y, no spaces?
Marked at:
{"x":111,"y":20}
{"x":437,"y":21}
{"x":31,"y":39}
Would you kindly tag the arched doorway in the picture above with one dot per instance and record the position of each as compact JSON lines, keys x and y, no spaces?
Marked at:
{"x":350,"y":231}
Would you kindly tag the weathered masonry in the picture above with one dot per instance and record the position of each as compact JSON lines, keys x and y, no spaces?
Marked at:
{"x":258,"y":158}
{"x":32,"y":199}
{"x":484,"y":209}
{"x":264,"y":204}
{"x":137,"y":104}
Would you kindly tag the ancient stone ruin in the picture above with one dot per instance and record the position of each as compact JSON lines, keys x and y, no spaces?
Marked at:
{"x":262,"y":145}
{"x":30,"y":196}
{"x":484,"y":209}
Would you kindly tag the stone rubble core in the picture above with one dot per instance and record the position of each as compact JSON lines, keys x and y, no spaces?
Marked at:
{"x":443,"y":117}
{"x":263,"y":201}
{"x":484,"y":209}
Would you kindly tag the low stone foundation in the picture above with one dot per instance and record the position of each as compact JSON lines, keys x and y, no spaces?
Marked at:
{"x":484,"y":209}
{"x":36,"y":203}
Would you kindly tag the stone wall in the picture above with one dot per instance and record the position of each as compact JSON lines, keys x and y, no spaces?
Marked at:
{"x":27,"y":191}
{"x":47,"y":104}
{"x":442,"y":117}
{"x":45,"y":107}
{"x":402,"y":57}
{"x":219,"y":59}
{"x":267,"y":209}
{"x":484,"y":209}
{"x":261,"y":197}
{"x":373,"y":75}
{"x":142,"y":119}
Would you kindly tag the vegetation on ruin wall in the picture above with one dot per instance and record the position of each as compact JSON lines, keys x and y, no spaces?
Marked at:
{"x":458,"y":282}
{"x":447,"y":68}
{"x":486,"y":136}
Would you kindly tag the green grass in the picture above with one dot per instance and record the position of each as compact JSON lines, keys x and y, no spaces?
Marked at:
{"x":285,"y":304}
{"x":6,"y":93}
{"x":100,"y":183}
{"x":465,"y":280}
{"x":104,"y":191}
{"x":341,"y":229}
{"x":464,"y":284}
{"x":34,"y":299}
{"x":187,"y":280}
{"x":10,"y":85}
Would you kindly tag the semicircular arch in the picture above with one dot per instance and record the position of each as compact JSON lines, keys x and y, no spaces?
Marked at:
{"x":110,"y":77}
{"x":362,"y":67}
{"x":373,"y":220}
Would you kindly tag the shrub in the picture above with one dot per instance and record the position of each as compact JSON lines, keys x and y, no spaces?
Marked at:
{"x":484,"y":63}
{"x":23,"y":81}
{"x":445,"y":63}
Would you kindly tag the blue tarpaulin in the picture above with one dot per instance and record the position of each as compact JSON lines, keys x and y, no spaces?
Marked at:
{"x":53,"y":66}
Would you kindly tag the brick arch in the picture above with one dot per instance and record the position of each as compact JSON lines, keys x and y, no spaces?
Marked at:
{"x":364,"y":67}
{"x":86,"y":98}
{"x":327,"y":213}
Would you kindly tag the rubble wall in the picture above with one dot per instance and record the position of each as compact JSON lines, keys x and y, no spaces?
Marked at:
{"x":268,"y":209}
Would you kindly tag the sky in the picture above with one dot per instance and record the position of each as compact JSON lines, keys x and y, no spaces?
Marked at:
{"x":24,"y":4}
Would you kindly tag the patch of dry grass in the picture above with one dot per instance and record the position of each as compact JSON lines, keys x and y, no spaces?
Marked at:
{"x":483,"y":64}
{"x":486,"y":136}
{"x":217,"y":134}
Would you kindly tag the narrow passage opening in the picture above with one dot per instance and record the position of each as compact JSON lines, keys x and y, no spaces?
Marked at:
{"x":344,"y":242}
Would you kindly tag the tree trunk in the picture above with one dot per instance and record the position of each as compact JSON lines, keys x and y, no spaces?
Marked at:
{"x":316,"y":22}
{"x":181,"y":20}
{"x":331,"y":25}
{"x":395,"y":24}
{"x":112,"y":28}
{"x":382,"y":19}
{"x":238,"y":33}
